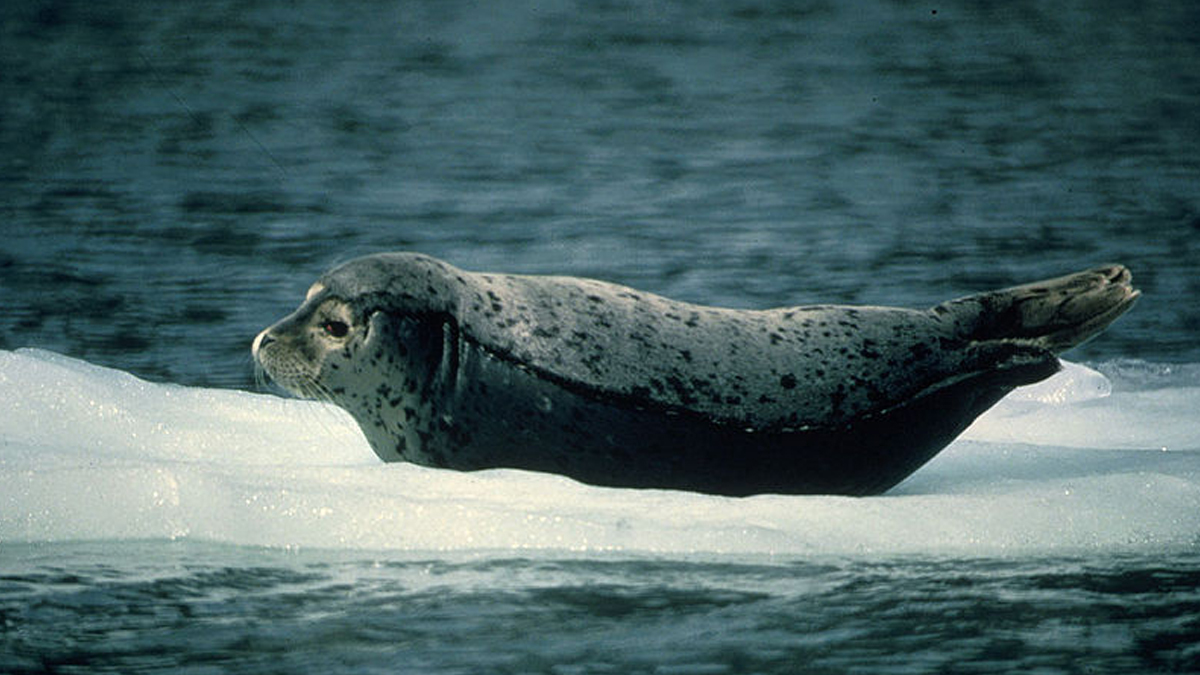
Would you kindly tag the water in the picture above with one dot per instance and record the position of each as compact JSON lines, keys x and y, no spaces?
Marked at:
{"x":258,"y":612}
{"x":173,"y":180}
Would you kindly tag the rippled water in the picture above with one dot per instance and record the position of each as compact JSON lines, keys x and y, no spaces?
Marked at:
{"x":172,"y":178}
{"x":221,"y":610}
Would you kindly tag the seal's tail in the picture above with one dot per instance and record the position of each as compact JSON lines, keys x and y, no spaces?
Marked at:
{"x":1055,"y":314}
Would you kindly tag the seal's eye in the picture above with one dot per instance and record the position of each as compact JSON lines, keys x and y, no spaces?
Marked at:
{"x":335,"y":329}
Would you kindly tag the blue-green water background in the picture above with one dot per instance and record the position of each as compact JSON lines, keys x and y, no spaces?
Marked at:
{"x":174,"y":175}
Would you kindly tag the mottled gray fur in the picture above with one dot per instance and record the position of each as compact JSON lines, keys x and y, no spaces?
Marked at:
{"x":615,"y":386}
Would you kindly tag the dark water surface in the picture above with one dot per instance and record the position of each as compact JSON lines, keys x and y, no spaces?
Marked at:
{"x":224,"y":609}
{"x":173,"y":176}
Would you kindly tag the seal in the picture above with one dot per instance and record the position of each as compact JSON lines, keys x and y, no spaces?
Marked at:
{"x":613,"y":386}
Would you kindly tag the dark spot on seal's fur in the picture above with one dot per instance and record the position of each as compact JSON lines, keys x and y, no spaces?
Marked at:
{"x":685,"y":395}
{"x":837,"y":398}
{"x":869,"y":351}
{"x":788,"y":381}
{"x":594,"y":361}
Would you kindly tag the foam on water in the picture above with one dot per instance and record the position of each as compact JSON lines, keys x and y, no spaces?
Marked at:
{"x":92,"y":453}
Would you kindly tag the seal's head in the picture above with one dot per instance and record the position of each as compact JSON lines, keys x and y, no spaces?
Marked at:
{"x":323,"y":336}
{"x":371,"y":336}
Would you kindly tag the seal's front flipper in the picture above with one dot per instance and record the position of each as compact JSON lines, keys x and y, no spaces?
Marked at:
{"x":1055,"y":314}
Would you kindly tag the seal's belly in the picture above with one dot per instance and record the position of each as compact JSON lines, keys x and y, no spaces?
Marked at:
{"x":498,"y":413}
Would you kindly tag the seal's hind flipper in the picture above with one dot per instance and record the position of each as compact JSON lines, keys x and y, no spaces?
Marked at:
{"x":1055,"y":314}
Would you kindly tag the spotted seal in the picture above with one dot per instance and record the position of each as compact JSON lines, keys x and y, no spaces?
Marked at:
{"x":618,"y":387}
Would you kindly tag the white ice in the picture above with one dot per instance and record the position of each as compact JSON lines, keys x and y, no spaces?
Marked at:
{"x":1073,"y":464}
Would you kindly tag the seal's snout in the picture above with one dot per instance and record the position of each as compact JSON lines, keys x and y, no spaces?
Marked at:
{"x":261,"y":340}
